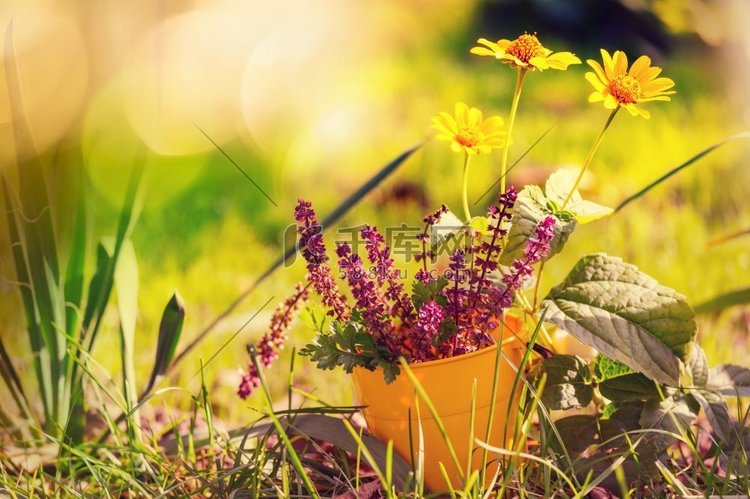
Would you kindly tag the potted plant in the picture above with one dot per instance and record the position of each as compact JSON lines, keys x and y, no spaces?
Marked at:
{"x":438,"y":367}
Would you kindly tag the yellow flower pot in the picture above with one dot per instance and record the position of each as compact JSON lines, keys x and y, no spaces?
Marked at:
{"x":448,"y":383}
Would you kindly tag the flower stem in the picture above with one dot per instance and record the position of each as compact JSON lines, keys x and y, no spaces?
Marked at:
{"x":511,"y":120}
{"x":590,"y":156}
{"x":467,"y":212}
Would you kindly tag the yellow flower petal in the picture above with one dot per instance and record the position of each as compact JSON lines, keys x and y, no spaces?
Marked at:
{"x":539,"y":62}
{"x":596,"y":97}
{"x":620,"y":63}
{"x":503,"y":44}
{"x":482,"y":51}
{"x":595,"y":82}
{"x":610,"y":102}
{"x":664,"y":98}
{"x":640,"y":66}
{"x":474,"y":118}
{"x":649,"y":74}
{"x":561,"y":60}
{"x":608,"y":65}
{"x":657,"y":85}
{"x":598,"y":70}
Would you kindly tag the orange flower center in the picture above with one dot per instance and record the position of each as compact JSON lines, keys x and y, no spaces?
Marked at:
{"x":625,"y":89}
{"x":468,"y":137}
{"x":525,"y":47}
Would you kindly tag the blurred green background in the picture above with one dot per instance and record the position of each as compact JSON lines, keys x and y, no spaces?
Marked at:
{"x":311,"y":98}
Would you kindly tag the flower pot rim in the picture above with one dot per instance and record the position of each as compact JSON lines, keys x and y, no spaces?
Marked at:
{"x":423,"y":365}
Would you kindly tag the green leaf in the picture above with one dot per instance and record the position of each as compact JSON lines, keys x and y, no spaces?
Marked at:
{"x":531,"y":208}
{"x":350,"y":346}
{"x":626,"y":315}
{"x":605,"y":368}
{"x":75,"y":269}
{"x":126,"y":285}
{"x":96,"y":285}
{"x":697,"y":365}
{"x":595,"y":444}
{"x":730,"y":380}
{"x":669,"y":415}
{"x":609,"y":410}
{"x":170,"y":329}
{"x":629,"y":387}
{"x":717,"y":413}
{"x":424,"y":293}
{"x":568,"y":382}
{"x":559,"y":184}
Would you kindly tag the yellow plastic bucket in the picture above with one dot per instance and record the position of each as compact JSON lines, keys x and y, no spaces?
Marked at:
{"x":448,"y":383}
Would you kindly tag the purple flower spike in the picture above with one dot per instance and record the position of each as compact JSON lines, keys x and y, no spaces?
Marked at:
{"x":314,"y":252}
{"x":269,"y":345}
{"x":431,"y":315}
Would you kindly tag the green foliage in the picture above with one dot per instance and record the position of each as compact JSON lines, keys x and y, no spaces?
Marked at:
{"x":568,"y":382}
{"x":423,"y":293}
{"x":557,"y":189}
{"x":350,"y":346}
{"x":626,"y":315}
{"x":531,"y":208}
{"x":605,"y":368}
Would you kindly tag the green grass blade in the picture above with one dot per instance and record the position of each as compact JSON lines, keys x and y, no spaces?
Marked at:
{"x":73,"y":294}
{"x":291,"y":452}
{"x":170,"y":329}
{"x":75,"y":270}
{"x":680,"y":167}
{"x":96,"y":284}
{"x":40,"y":245}
{"x":719,"y":303}
{"x":27,"y":299}
{"x":13,"y":382}
{"x":127,"y":217}
{"x":126,"y":285}
{"x":33,"y":188}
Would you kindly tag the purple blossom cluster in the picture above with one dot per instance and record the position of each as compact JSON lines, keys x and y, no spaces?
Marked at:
{"x":447,"y":315}
{"x":267,"y":349}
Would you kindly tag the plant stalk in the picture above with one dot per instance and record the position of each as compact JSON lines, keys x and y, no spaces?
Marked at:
{"x":511,"y":120}
{"x":590,"y":156}
{"x":467,"y":212}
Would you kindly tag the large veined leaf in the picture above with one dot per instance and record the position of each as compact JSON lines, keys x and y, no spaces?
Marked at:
{"x":730,"y":380}
{"x":568,"y":382}
{"x":629,"y":387}
{"x":557,"y":188}
{"x":697,"y":365}
{"x":717,"y":413}
{"x":626,"y":315}
{"x":671,"y":417}
{"x":531,"y":208}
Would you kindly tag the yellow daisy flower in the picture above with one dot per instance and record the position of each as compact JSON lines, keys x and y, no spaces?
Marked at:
{"x":616,"y":86}
{"x":468,"y":131}
{"x":525,"y":52}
